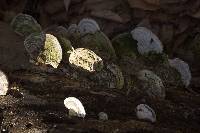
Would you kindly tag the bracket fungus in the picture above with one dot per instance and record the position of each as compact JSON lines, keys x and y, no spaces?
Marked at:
{"x":111,"y":77}
{"x":119,"y":78}
{"x":73,"y":28}
{"x":155,"y":87}
{"x":147,"y":41}
{"x":44,"y":49}
{"x":24,"y":25}
{"x":85,"y":60}
{"x":62,"y":35}
{"x":144,"y":112}
{"x":3,"y":84}
{"x":100,"y":44}
{"x":183,"y":68}
{"x":75,"y":107}
{"x":125,"y":45}
{"x":87,"y":25}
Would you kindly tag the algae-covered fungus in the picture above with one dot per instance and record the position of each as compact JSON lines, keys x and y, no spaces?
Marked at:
{"x":119,"y":78}
{"x":75,"y":107}
{"x":153,"y":58}
{"x":44,"y":49}
{"x":87,"y":25}
{"x":110,"y":77}
{"x":100,"y":44}
{"x":125,"y":45}
{"x":85,"y":60}
{"x":24,"y":25}
{"x":57,"y":31}
{"x":147,"y":41}
{"x":144,"y":112}
{"x":152,"y":84}
{"x":62,"y":35}
{"x":66,"y":47}
{"x":3,"y":84}
{"x":183,"y":68}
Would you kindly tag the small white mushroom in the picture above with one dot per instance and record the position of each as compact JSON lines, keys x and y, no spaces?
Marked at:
{"x":75,"y":107}
{"x":3,"y":83}
{"x":103,"y":116}
{"x":88,"y":26}
{"x":147,"y":41}
{"x":183,"y":68}
{"x":144,"y":112}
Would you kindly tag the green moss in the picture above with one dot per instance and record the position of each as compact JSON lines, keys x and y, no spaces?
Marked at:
{"x":125,"y":45}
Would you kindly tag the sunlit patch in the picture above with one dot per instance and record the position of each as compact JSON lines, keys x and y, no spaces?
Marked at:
{"x":44,"y":49}
{"x":86,"y":60}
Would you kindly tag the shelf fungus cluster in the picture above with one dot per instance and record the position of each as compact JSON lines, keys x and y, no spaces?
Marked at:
{"x":131,"y":60}
{"x":88,"y":34}
{"x":3,"y":84}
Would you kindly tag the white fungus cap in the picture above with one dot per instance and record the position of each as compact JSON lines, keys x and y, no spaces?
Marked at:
{"x":144,"y":112}
{"x":183,"y":68}
{"x":75,"y":107}
{"x":3,"y":84}
{"x":87,"y":25}
{"x":147,"y":41}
